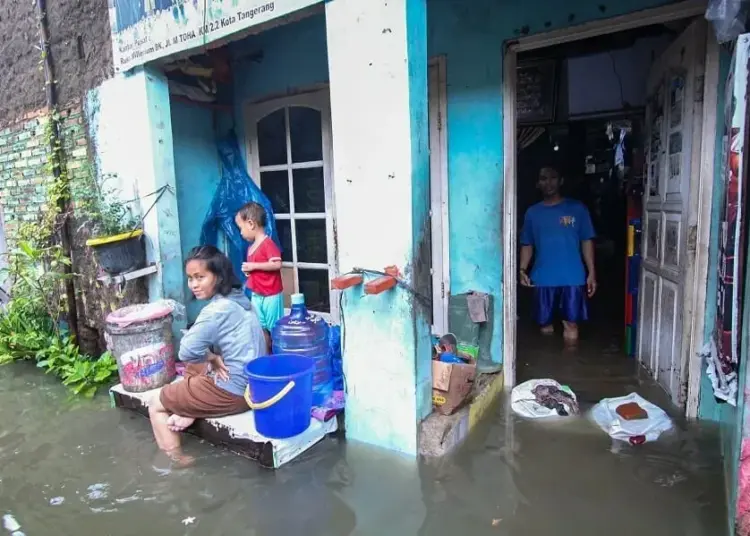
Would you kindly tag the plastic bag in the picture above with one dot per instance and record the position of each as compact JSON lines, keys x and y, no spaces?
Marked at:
{"x":728,"y":18}
{"x":235,"y":189}
{"x":605,"y":415}
{"x":146,"y":312}
{"x":525,"y":403}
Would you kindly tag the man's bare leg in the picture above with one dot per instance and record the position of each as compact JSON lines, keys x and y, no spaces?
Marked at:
{"x":570,"y":331}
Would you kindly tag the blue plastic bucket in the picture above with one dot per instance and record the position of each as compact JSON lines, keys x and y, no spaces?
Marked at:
{"x":279,"y":392}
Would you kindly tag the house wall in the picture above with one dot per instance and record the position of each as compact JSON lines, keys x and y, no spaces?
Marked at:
{"x":24,"y":153}
{"x":619,"y":77}
{"x":80,"y":47}
{"x":197,"y":174}
{"x":278,"y":62}
{"x":471,"y":36}
{"x":130,"y":128}
{"x":710,"y":409}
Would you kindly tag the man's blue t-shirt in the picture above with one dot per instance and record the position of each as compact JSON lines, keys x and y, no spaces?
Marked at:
{"x":556,"y":232}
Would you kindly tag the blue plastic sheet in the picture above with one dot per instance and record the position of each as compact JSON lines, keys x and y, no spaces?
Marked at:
{"x":235,"y":189}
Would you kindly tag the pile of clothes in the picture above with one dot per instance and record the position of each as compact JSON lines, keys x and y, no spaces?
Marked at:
{"x":543,"y":398}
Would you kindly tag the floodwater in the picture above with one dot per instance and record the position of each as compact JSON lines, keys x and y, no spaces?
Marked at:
{"x":80,"y":468}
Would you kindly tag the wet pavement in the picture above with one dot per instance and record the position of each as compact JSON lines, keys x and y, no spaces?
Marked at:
{"x":81,"y":468}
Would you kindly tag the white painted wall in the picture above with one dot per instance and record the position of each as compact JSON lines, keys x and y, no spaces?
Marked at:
{"x":130,"y":128}
{"x":594,"y":80}
{"x":378,"y":75}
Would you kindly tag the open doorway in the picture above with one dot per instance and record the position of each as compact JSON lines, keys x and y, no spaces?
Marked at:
{"x":617,"y":116}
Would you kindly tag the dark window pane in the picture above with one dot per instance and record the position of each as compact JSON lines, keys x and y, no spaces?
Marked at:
{"x":314,"y":285}
{"x":306,"y":134}
{"x":275,"y":184}
{"x":284,"y":228}
{"x":272,"y":139}
{"x":311,"y":241}
{"x":309,"y":194}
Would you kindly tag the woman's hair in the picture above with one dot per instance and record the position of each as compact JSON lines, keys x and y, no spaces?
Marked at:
{"x":218,"y":264}
{"x":253,"y":212}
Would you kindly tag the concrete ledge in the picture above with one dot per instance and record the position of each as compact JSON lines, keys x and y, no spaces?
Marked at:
{"x":237,"y":432}
{"x":440,"y":434}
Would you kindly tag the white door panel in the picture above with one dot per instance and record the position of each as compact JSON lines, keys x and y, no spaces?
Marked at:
{"x":649,"y":292}
{"x":673,"y":126}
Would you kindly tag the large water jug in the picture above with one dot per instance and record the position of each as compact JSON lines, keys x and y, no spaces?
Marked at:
{"x":306,"y":334}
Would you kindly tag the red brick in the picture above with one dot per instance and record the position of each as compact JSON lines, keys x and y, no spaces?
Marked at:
{"x":381,"y":284}
{"x":346,"y":281}
{"x":392,"y":271}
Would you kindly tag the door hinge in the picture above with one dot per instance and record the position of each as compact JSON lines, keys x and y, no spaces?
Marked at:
{"x":699,"y":83}
{"x":440,"y":121}
{"x":442,"y":289}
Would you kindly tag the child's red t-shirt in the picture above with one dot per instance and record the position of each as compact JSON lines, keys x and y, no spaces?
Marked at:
{"x":262,"y":282}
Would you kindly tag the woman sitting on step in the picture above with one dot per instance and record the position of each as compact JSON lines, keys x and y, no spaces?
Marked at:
{"x":224,"y":338}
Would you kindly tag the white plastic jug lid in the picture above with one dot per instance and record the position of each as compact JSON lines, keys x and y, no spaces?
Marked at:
{"x":298,"y":299}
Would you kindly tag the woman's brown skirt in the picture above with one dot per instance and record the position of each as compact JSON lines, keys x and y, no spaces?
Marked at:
{"x":198,"y":397}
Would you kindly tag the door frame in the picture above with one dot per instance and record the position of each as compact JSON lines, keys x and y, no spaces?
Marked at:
{"x":318,"y":98}
{"x":440,"y":223}
{"x":647,"y":17}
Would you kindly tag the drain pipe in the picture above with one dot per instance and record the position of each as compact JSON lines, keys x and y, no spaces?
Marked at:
{"x":55,"y":148}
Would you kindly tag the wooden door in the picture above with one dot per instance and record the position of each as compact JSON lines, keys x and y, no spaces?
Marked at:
{"x":673,"y":134}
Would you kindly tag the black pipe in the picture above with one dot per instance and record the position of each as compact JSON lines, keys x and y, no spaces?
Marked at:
{"x":64,"y":204}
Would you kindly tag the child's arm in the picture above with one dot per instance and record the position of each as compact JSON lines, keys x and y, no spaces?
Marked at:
{"x":273,"y":265}
{"x":267,"y":250}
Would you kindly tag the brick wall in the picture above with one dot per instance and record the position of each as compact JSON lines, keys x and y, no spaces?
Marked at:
{"x":24,"y":177}
{"x":24,"y":151}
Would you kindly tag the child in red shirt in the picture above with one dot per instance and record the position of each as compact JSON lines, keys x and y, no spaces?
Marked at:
{"x":263,"y":266}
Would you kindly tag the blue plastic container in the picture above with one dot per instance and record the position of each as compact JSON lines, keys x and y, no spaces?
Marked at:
{"x":303,"y":333}
{"x":279,"y":392}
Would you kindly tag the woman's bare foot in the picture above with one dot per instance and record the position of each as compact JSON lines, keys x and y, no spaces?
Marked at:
{"x":179,"y":459}
{"x":548,"y":330}
{"x":177,"y":423}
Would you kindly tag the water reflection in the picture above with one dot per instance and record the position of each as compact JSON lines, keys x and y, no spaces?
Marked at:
{"x":83,"y":468}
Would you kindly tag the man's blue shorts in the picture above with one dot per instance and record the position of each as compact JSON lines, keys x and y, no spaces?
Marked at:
{"x":569,"y":301}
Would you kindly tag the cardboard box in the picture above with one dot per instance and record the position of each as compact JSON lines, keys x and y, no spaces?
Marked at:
{"x":451,"y":385}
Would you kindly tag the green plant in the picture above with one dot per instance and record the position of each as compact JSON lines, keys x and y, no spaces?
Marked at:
{"x":98,"y":202}
{"x":38,"y":269}
{"x":25,"y":329}
{"x":37,"y":275}
{"x":28,"y":333}
{"x":81,"y":374}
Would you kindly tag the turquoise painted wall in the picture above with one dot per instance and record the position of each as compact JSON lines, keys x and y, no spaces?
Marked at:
{"x":471,"y":36}
{"x":293,"y":56}
{"x":420,"y":156}
{"x":197,"y":170}
{"x":727,"y":416}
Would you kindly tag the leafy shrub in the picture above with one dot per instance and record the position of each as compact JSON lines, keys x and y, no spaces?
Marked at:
{"x":30,"y":323}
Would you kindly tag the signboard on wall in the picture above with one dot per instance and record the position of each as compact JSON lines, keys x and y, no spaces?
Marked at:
{"x":145,"y":30}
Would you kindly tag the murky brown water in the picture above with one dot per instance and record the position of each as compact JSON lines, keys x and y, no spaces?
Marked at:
{"x":81,"y":468}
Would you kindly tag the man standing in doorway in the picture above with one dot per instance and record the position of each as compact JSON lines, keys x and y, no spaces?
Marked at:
{"x":558,"y":234}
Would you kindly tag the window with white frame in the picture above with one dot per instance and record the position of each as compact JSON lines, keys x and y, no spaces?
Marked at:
{"x":290,"y":155}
